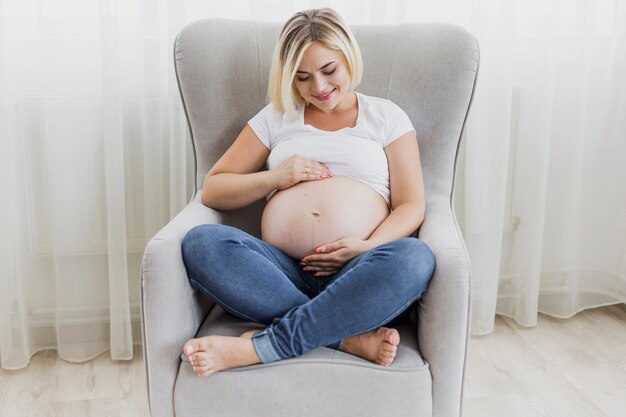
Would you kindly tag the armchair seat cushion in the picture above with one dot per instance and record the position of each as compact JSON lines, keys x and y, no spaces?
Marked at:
{"x":330,"y":382}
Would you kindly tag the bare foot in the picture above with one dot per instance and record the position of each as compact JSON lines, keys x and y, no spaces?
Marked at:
{"x":378,"y":346}
{"x":210,"y":354}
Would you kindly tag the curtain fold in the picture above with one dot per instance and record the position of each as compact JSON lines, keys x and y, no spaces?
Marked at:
{"x":114,"y":173}
{"x":95,"y":157}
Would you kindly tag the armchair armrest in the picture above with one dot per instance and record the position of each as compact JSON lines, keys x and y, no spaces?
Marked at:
{"x":171,"y":311}
{"x":444,"y":311}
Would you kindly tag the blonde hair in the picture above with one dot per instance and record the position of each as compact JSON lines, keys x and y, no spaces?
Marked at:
{"x":303,"y":28}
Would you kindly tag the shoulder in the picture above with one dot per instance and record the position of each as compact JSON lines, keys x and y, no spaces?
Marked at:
{"x":269,"y":113}
{"x":269,"y":122}
{"x":385,"y":118}
{"x":378,"y":104}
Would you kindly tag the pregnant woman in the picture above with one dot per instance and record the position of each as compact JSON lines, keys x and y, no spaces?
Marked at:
{"x":345,"y":191}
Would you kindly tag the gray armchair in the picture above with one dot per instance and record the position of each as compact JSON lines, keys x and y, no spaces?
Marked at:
{"x":222,"y":67}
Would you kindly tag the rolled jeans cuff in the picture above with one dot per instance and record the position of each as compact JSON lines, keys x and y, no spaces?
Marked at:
{"x":264,"y":347}
{"x":335,"y":345}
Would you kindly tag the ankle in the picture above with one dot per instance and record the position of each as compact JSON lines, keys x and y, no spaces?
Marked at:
{"x":347,"y":344}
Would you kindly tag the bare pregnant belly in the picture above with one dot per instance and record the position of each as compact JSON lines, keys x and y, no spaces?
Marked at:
{"x":311,"y":213}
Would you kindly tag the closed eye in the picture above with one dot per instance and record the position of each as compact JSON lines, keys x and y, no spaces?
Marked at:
{"x":325,"y":73}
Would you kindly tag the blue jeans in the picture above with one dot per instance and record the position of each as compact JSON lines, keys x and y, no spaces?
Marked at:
{"x":256,"y":281}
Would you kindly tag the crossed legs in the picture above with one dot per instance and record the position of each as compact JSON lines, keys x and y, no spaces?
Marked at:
{"x":255,"y":281}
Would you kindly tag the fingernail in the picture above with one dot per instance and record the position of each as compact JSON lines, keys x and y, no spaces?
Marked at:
{"x":320,"y":249}
{"x":330,"y":173}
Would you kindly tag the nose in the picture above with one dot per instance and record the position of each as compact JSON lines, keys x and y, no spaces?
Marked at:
{"x":318,"y":85}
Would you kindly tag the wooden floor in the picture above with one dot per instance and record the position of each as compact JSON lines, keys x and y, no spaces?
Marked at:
{"x":561,"y":368}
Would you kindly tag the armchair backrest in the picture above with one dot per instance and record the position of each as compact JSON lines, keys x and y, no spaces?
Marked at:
{"x":429,"y":70}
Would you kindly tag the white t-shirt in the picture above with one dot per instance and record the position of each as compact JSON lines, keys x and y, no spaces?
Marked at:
{"x":356,"y":152}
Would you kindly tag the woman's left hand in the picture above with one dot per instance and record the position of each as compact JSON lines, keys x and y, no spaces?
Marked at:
{"x":331,"y":257}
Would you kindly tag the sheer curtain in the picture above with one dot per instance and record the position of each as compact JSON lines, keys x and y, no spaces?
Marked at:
{"x":543,"y":188}
{"x":95,"y":158}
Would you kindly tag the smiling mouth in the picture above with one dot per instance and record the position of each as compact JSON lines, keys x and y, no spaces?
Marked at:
{"x":325,"y":95}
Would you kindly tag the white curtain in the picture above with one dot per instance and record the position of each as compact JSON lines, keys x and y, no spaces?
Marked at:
{"x":543,"y":188}
{"x":95,"y":158}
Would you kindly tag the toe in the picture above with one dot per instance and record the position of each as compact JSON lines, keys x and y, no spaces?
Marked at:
{"x":392,"y":336}
{"x":387,"y":360}
{"x":195,"y":346}
{"x":195,"y":358}
{"x":384,"y":362}
{"x":191,"y":347}
{"x":200,"y":370}
{"x":386,"y":357}
{"x":188,"y":348}
{"x":387,"y":347}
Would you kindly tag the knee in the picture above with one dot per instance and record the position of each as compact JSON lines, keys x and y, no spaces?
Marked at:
{"x":198,"y":241}
{"x":194,"y":237}
{"x":411,"y":248}
{"x":414,"y":263}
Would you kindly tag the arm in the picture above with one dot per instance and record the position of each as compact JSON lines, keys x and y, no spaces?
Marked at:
{"x":236,"y":181}
{"x":406,"y":185}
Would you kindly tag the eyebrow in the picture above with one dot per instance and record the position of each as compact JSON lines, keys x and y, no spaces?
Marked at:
{"x":304,"y":72}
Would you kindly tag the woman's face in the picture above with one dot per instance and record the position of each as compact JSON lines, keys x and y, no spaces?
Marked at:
{"x":323,"y":78}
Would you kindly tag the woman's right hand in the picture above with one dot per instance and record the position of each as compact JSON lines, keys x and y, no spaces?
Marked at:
{"x":297,"y":169}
